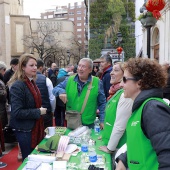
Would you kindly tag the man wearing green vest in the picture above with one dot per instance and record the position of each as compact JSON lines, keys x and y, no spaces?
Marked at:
{"x":73,"y":90}
{"x":148,"y":128}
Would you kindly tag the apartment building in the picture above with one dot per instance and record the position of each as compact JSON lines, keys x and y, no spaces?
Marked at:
{"x":75,"y":13}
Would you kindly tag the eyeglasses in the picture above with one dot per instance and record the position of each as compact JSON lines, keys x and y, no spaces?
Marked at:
{"x":125,"y":79}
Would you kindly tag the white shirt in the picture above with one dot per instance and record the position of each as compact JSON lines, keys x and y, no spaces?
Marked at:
{"x":51,"y":96}
{"x":123,"y":112}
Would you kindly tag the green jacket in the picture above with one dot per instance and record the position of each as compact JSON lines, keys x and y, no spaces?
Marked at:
{"x":110,"y":117}
{"x":140,"y":153}
{"x":75,"y":102}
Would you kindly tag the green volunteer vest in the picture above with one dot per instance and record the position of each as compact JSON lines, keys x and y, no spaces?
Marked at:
{"x":75,"y":102}
{"x":140,"y":153}
{"x":110,"y":117}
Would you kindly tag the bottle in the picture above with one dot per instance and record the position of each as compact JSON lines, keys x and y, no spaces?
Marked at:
{"x":97,"y":126}
{"x":84,"y":148}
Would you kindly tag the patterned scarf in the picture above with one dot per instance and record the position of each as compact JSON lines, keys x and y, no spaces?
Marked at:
{"x":38,"y":129}
{"x":113,"y":89}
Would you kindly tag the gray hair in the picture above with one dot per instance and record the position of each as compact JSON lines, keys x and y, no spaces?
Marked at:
{"x":89,"y":61}
{"x":108,"y":58}
{"x":2,"y":65}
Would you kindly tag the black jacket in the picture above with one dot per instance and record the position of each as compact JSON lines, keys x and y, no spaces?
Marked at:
{"x":155,"y":125}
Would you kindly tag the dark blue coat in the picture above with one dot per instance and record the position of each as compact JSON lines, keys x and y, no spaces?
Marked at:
{"x":106,"y":81}
{"x":23,"y":109}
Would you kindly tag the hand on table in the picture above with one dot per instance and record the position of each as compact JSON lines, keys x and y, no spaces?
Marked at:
{"x":63,"y":97}
{"x":120,"y":166}
{"x":104,"y":149}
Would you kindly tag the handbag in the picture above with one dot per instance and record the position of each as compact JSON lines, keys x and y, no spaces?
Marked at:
{"x":74,"y":117}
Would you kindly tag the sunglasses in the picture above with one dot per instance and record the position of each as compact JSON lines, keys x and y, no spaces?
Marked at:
{"x":125,"y":79}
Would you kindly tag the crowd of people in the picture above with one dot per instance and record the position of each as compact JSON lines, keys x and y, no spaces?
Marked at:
{"x":127,"y":97}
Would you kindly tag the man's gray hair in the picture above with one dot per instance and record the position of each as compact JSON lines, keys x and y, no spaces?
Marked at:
{"x":108,"y":58}
{"x":2,"y":65}
{"x":89,"y":61}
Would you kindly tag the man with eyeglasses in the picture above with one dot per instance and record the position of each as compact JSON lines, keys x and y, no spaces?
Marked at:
{"x":72,"y":91}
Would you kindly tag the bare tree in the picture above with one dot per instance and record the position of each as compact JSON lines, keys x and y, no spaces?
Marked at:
{"x":44,"y":41}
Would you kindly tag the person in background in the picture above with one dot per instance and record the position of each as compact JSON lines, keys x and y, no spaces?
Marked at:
{"x":3,"y":113}
{"x":95,"y":70}
{"x":26,"y":111}
{"x":166,"y":89}
{"x":117,"y":112}
{"x":148,"y":137}
{"x":3,"y":96}
{"x":48,"y":99}
{"x":51,"y":70}
{"x":65,"y":71}
{"x":8,"y":74}
{"x":73,"y":90}
{"x":53,"y":77}
{"x":106,"y":67}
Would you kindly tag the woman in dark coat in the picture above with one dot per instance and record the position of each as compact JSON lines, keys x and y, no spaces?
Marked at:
{"x":26,"y":107}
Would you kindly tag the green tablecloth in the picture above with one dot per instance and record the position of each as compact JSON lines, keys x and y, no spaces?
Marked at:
{"x":77,"y":158}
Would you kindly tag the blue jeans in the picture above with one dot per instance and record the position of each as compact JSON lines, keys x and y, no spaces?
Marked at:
{"x":24,"y":140}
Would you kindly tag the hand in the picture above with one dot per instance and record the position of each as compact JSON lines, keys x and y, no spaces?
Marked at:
{"x":101,"y":126}
{"x":120,"y":166}
{"x":63,"y":97}
{"x":43,"y":110}
{"x":104,"y":149}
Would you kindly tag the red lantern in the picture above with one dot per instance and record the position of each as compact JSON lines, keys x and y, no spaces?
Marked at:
{"x":119,"y":50}
{"x":152,"y":5}
{"x":155,"y":6}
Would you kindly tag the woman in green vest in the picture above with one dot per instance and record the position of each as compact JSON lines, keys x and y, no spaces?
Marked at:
{"x":117,"y":112}
{"x":148,"y":128}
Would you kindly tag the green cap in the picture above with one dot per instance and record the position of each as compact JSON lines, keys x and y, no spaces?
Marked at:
{"x":50,"y":145}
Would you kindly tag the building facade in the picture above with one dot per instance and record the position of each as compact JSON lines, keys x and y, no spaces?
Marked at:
{"x":75,"y":13}
{"x":7,"y":9}
{"x":159,"y":37}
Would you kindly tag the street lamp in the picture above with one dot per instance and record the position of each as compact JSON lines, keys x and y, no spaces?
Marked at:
{"x":68,"y":57}
{"x":119,"y":40}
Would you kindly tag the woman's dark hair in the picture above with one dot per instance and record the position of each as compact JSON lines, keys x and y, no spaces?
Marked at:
{"x":148,"y":71}
{"x":93,"y":72}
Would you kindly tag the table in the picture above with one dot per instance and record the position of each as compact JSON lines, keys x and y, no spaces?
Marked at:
{"x":75,"y":159}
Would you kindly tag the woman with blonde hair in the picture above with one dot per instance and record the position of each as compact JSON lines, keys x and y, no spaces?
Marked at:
{"x":26,"y":107}
{"x":117,"y":112}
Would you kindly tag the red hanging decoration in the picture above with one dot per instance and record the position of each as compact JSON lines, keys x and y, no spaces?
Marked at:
{"x":119,"y":50}
{"x":155,"y":6}
{"x":152,"y":5}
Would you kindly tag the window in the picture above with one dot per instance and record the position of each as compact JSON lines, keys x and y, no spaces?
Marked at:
{"x":79,"y":36}
{"x":72,"y":19}
{"x":78,"y":30}
{"x":78,"y":18}
{"x":78,"y":12}
{"x":78,"y":24}
{"x":50,"y":16}
{"x":71,"y":13}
